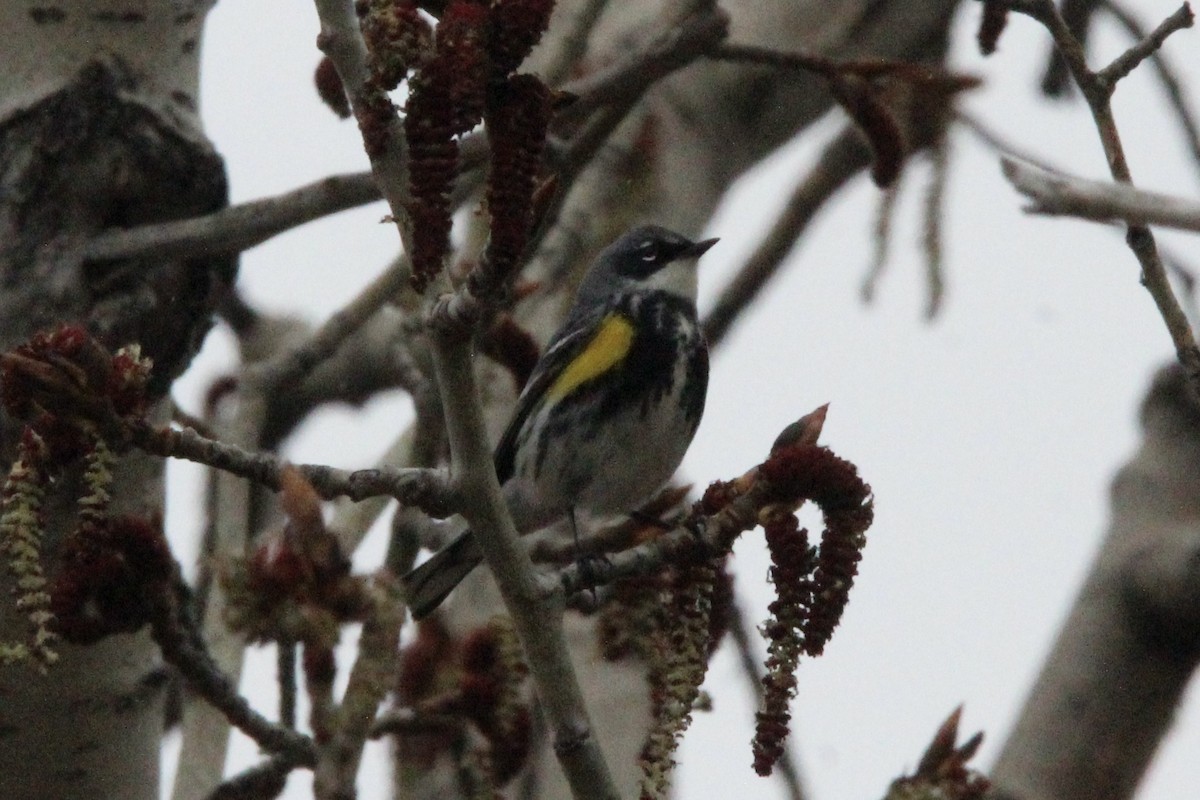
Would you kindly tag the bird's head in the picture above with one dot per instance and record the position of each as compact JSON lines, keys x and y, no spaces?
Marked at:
{"x":646,"y":257}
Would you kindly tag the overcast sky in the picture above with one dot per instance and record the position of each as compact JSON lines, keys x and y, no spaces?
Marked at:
{"x":989,"y":436}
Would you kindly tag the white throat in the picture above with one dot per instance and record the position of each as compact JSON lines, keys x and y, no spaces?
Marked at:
{"x":678,"y":278}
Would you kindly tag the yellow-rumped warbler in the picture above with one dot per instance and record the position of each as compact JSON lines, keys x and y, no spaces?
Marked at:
{"x":611,"y":406}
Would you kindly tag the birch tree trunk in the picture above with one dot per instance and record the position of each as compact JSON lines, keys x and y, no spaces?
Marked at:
{"x":99,"y":127}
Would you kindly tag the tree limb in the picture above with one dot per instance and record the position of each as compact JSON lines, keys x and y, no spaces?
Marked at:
{"x":1097,"y":90}
{"x":1056,"y":194}
{"x":1109,"y":689}
{"x":536,"y":616}
{"x":424,"y":488}
{"x":1166,"y":75}
{"x":235,"y":228}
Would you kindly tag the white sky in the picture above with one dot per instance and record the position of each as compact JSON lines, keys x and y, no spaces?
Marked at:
{"x":989,"y":436}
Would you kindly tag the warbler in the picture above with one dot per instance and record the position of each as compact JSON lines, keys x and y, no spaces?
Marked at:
{"x":611,"y":406}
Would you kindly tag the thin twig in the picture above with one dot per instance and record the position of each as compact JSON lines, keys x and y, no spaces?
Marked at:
{"x":885,"y":214}
{"x":828,"y":67}
{"x":423,"y":488}
{"x":1167,"y":75}
{"x":1147,"y":46}
{"x":1097,"y":93}
{"x":1005,"y":147}
{"x":1057,"y":194}
{"x":933,"y":215}
{"x":1078,"y":15}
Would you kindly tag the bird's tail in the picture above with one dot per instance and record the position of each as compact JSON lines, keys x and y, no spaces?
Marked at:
{"x":427,"y":586}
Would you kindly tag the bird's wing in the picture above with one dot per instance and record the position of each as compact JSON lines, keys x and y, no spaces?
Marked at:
{"x":591,"y":346}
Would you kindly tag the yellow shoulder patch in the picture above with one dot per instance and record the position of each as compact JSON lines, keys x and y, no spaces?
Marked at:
{"x":608,"y":347}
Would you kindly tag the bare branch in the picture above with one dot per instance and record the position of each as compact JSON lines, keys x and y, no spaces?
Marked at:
{"x":994,"y":140}
{"x":1141,"y":241}
{"x":292,"y":366}
{"x":341,"y":40}
{"x":537,"y":616}
{"x":236,"y":228}
{"x":423,"y":488}
{"x":1167,"y":76}
{"x":935,"y":197}
{"x":885,"y":215}
{"x":183,"y":646}
{"x":1056,"y":194}
{"x":1148,"y":46}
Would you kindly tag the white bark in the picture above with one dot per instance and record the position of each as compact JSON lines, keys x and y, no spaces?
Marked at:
{"x":1056,"y":194}
{"x":158,"y":41}
{"x":98,"y":127}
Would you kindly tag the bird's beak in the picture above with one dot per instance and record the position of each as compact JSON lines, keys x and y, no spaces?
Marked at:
{"x":699,"y":248}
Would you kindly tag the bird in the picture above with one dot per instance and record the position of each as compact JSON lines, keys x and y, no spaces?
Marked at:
{"x":611,"y":406}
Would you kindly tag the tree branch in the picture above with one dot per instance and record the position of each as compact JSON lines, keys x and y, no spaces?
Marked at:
{"x":1128,"y":61}
{"x":235,"y":228}
{"x":1110,"y":687}
{"x":537,"y":616}
{"x":423,"y":488}
{"x":1167,"y":76}
{"x":1056,"y":194}
{"x":293,"y":365}
{"x":184,"y":647}
{"x":341,"y":40}
{"x":1097,"y":92}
